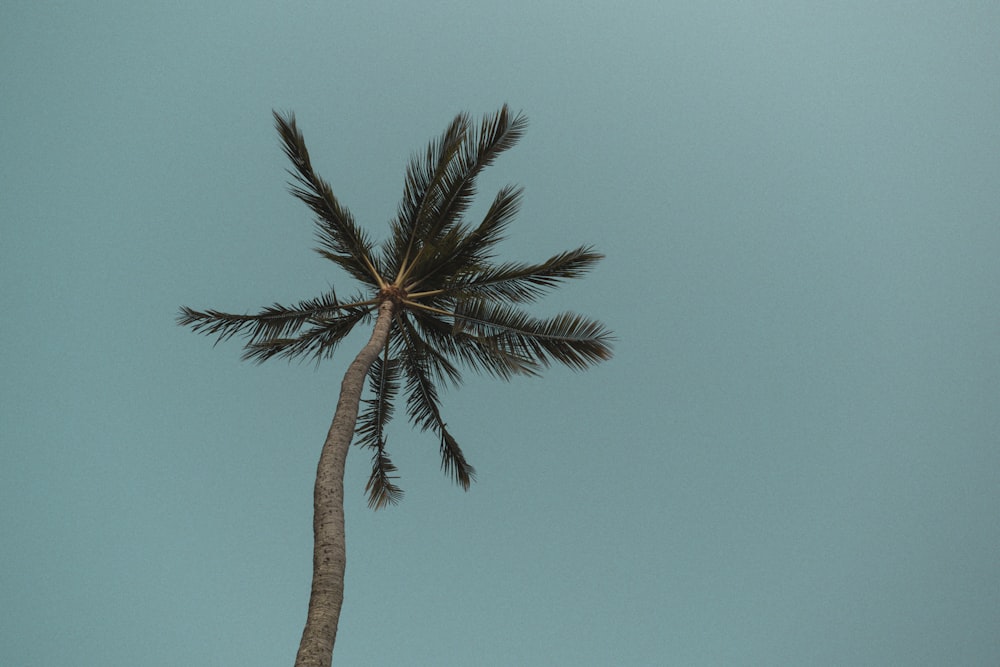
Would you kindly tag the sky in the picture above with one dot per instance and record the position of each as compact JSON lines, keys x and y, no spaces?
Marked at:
{"x":792,"y":458}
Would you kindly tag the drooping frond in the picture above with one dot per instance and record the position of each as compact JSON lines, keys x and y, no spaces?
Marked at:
{"x":341,"y":239}
{"x":453,"y":461}
{"x":423,"y":409}
{"x":436,"y":359}
{"x":381,"y":490}
{"x":272,"y":322}
{"x":383,"y":383}
{"x":383,"y":379}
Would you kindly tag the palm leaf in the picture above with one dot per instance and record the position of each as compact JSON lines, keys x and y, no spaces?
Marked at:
{"x":515,"y":282}
{"x":478,"y":246}
{"x":462,"y":250}
{"x":342,"y":240}
{"x":435,"y":358}
{"x":423,"y":409}
{"x":453,"y":461}
{"x":450,"y":341}
{"x":570,"y":339}
{"x":318,"y":341}
{"x":384,"y":384}
{"x":274,"y":321}
{"x":423,"y":173}
{"x":450,"y":196}
{"x":381,"y":490}
{"x":496,"y":135}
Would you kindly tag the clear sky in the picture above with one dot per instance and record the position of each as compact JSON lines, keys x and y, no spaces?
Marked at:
{"x":792,"y":459}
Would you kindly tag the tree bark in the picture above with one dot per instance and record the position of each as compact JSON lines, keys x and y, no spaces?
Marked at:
{"x":329,"y":550}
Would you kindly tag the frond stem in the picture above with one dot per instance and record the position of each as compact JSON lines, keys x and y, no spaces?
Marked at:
{"x":421,"y":295}
{"x":429,"y":309}
{"x":375,"y":274}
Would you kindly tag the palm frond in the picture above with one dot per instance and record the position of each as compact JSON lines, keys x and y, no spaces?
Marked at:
{"x":450,"y":341}
{"x":383,"y":379}
{"x":462,"y":250}
{"x":423,"y":173}
{"x":274,"y":321}
{"x":337,"y":232}
{"x":570,"y":339}
{"x":453,"y":461}
{"x":520,"y":283}
{"x":452,"y":194}
{"x":497,"y":134}
{"x":423,"y":409}
{"x":435,"y":358}
{"x":381,"y":490}
{"x":319,"y":341}
{"x":481,"y":242}
{"x":383,"y":382}
{"x":217,"y":323}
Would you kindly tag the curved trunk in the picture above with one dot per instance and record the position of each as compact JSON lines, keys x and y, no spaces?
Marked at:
{"x":329,"y":551}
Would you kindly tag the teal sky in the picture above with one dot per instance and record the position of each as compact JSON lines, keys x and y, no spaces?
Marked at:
{"x":792,"y":459}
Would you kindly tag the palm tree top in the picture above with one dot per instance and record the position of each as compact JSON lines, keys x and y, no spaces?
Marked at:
{"x":453,"y":305}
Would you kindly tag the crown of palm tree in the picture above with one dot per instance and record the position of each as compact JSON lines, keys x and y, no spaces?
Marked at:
{"x":453,"y":304}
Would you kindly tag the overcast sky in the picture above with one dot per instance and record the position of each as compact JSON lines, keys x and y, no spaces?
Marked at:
{"x":792,"y":458}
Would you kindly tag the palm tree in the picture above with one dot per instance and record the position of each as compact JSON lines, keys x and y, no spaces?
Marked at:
{"x":439,"y":302}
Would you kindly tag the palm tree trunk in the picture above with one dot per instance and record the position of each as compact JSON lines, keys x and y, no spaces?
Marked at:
{"x":329,"y":551}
